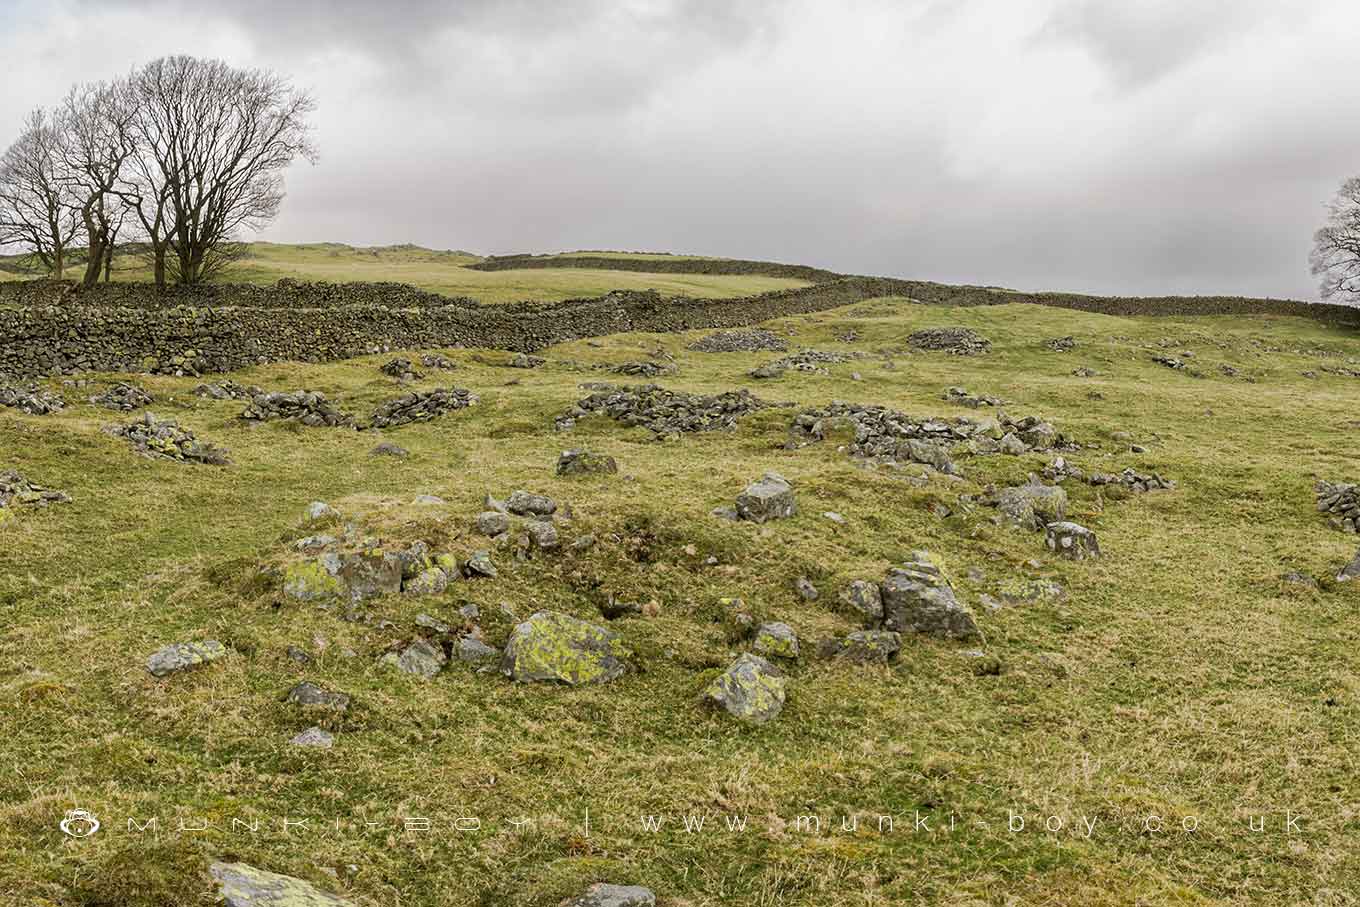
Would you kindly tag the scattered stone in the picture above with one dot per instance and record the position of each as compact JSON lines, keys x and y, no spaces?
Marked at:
{"x":166,"y":440}
{"x":1170,"y":362}
{"x":738,"y":341}
{"x":428,"y":499}
{"x":123,"y":396}
{"x":806,"y":591}
{"x":1295,"y":578}
{"x":475,"y":652}
{"x":961,"y":396}
{"x":420,"y":657}
{"x":400,"y":368}
{"x":1084,"y":372}
{"x":242,"y":885}
{"x":866,"y":601}
{"x":917,"y":598}
{"x":1342,"y":500}
{"x":430,"y":581}
{"x":310,"y":408}
{"x":1132,"y":480}
{"x":751,"y":689}
{"x":1032,"y":506}
{"x":582,"y":462}
{"x":776,"y":639}
{"x":1350,"y":571}
{"x":863,"y":647}
{"x":421,"y":406}
{"x":527,"y":504}
{"x":31,"y":401}
{"x":183,"y":655}
{"x":1059,"y":470}
{"x":834,"y":517}
{"x":228,"y":390}
{"x":647,"y":369}
{"x":1071,"y":540}
{"x":298,"y":654}
{"x":493,"y":523}
{"x":558,"y":647}
{"x":320,"y":510}
{"x":438,"y":360}
{"x":16,"y":491}
{"x":771,"y":498}
{"x":955,"y":340}
{"x":602,"y":895}
{"x":309,"y":694}
{"x":542,"y":535}
{"x":663,"y":412}
{"x":388,"y":449}
{"x":480,"y":565}
{"x":1061,"y":344}
{"x":314,"y":737}
{"x":524,"y":360}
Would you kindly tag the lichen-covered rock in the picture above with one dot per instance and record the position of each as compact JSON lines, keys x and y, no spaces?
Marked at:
{"x":124,"y":397}
{"x":776,"y":639}
{"x":242,"y":885}
{"x":542,"y":535}
{"x":751,"y":689}
{"x":771,"y":498}
{"x":866,"y":600}
{"x":1032,"y":506}
{"x":354,"y":575}
{"x":527,"y":504}
{"x":1071,"y":540}
{"x":646,"y":369}
{"x":183,"y":655}
{"x":1342,"y":500}
{"x":492,"y":522}
{"x":558,"y":647}
{"x":307,"y":693}
{"x":431,"y":581}
{"x":863,"y":646}
{"x":152,"y":437}
{"x":480,"y":565}
{"x":805,"y":589}
{"x":602,"y":895}
{"x":583,"y":462}
{"x":918,"y":599}
{"x":420,"y":657}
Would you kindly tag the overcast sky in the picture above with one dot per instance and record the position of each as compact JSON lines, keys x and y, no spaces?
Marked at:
{"x":1122,"y":146}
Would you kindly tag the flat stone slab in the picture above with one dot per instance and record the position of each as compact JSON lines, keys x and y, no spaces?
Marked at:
{"x":242,"y":885}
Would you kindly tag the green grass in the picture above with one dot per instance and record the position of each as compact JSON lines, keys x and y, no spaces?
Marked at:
{"x":1177,"y":677}
{"x":445,"y":272}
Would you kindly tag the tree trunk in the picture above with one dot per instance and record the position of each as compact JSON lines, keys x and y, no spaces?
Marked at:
{"x":95,"y":264}
{"x":108,"y":262}
{"x":160,"y":266}
{"x":58,"y":266}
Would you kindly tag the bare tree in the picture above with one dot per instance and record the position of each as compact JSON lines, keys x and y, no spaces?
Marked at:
{"x":1336,"y":247}
{"x":38,"y":212}
{"x":213,"y":143}
{"x":97,"y":144}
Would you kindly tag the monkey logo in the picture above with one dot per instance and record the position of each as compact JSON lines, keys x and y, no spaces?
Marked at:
{"x":79,"y":823}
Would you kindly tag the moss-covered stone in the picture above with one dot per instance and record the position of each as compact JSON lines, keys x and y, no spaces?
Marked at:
{"x":310,"y":581}
{"x":242,"y":885}
{"x":181,"y":656}
{"x":558,"y":647}
{"x":752,"y":689}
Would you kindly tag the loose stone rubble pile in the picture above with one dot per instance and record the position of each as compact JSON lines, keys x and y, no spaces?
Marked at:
{"x":1133,"y":480}
{"x":123,"y":396}
{"x":152,"y":437}
{"x":739,"y":341}
{"x":228,"y":390}
{"x":307,"y":407}
{"x":883,"y":434}
{"x":802,"y":361}
{"x":1061,"y":344}
{"x":665,"y":412}
{"x":400,"y":368}
{"x":583,"y":462}
{"x":1342,"y":501}
{"x":647,"y":369}
{"x":32,"y":401}
{"x":961,"y":396}
{"x":16,"y":491}
{"x":421,"y":406}
{"x":959,"y":341}
{"x":524,"y":360}
{"x":438,"y":360}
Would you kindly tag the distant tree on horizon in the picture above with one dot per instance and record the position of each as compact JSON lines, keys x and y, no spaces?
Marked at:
{"x":186,"y":151}
{"x":1336,"y":246}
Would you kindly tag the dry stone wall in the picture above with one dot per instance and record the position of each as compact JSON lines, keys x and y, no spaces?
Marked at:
{"x":49,"y":328}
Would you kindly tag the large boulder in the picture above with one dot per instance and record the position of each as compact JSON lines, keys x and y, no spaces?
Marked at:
{"x":1032,"y":506}
{"x":751,"y":689}
{"x":769,"y":499}
{"x":918,"y":599}
{"x":554,"y":646}
{"x":242,"y":885}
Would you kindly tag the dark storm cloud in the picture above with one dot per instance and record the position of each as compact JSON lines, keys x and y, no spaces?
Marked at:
{"x":1158,"y":146}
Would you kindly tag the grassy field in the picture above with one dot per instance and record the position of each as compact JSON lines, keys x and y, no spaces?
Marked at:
{"x":1179,"y":681}
{"x":444,"y":272}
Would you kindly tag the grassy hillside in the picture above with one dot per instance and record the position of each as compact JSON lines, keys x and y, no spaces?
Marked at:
{"x":444,"y":272}
{"x":1179,"y":677}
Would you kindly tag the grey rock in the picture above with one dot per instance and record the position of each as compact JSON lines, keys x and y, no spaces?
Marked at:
{"x":751,"y":689}
{"x":863,"y":647}
{"x":866,"y":600}
{"x":427,"y":499}
{"x":1071,"y":540}
{"x":776,"y":639}
{"x":583,"y":462}
{"x":602,"y":895}
{"x":493,"y":522}
{"x":1032,"y":506}
{"x":320,"y":510}
{"x":771,"y":498}
{"x":242,"y":885}
{"x":314,"y":737}
{"x":480,"y":565}
{"x":918,"y":599}
{"x":474,"y":651}
{"x":388,"y":449}
{"x":806,"y":591}
{"x":183,"y":655}
{"x":1350,"y":571}
{"x":309,"y":694}
{"x":420,"y":657}
{"x":527,"y":504}
{"x":542,"y":535}
{"x":432,"y":581}
{"x":551,"y":646}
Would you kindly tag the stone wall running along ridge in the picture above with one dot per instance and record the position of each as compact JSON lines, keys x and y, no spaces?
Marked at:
{"x":46,"y":328}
